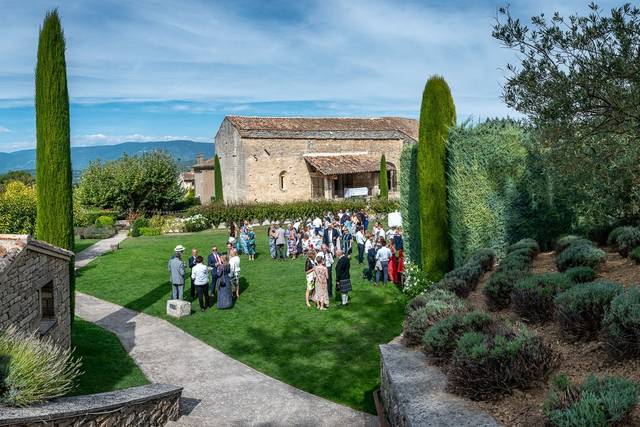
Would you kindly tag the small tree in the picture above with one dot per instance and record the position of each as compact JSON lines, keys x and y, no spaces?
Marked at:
{"x":384,"y":183}
{"x":437,"y":114}
{"x":54,"y":222}
{"x":218,"y":197}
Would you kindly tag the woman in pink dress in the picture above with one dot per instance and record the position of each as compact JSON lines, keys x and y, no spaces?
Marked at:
{"x":321,"y":293}
{"x":393,"y":264}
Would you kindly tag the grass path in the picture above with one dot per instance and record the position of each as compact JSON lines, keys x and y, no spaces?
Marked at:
{"x":333,"y":354}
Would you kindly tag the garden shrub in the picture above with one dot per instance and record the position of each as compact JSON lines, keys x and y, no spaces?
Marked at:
{"x":415,"y":280}
{"x":621,"y":325}
{"x":511,"y":269}
{"x":564,"y":242}
{"x":157,"y":221}
{"x":35,"y":370}
{"x":18,"y":207}
{"x":150,"y":231}
{"x":580,"y":274}
{"x":612,"y":240}
{"x":441,"y":339}
{"x":465,"y":278}
{"x":595,"y":403}
{"x":627,"y":240}
{"x":409,"y":208}
{"x":532,"y":296}
{"x":485,"y":257}
{"x":635,"y":255}
{"x":530,"y":244}
{"x":196,"y":223}
{"x":440,"y":304}
{"x":486,"y":366}
{"x":416,"y":303}
{"x":104,"y":221}
{"x":95,"y":232}
{"x":580,"y":310}
{"x":217,"y":213}
{"x":581,"y":253}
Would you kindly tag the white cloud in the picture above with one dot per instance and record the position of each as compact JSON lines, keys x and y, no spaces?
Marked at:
{"x":4,"y":129}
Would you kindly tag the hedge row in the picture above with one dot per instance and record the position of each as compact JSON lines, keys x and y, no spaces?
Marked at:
{"x":218,"y":213}
{"x":464,"y":279}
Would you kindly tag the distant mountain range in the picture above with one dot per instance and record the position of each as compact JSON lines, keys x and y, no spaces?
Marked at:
{"x":184,"y":152}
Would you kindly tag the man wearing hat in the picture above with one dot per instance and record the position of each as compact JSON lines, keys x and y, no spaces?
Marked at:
{"x":176,"y":273}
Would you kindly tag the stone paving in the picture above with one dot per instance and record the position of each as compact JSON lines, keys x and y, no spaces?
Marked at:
{"x":103,"y":246}
{"x":218,"y":390}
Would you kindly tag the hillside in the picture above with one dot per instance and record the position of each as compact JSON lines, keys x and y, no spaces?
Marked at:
{"x":184,"y":152}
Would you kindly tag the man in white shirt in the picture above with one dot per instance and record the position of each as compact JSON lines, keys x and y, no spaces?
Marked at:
{"x":361,"y":240}
{"x":234,"y":272}
{"x":378,"y":231}
{"x":382,"y":263}
{"x":200,"y":279}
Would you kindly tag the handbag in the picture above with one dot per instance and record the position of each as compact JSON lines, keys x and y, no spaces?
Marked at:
{"x":344,"y":285}
{"x":379,"y":265}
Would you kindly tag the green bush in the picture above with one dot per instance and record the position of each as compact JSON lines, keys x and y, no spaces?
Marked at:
{"x":612,"y":240}
{"x":515,"y":266}
{"x":581,"y":253}
{"x":104,"y":221}
{"x":441,"y":339}
{"x":216,"y":213}
{"x":635,"y":255}
{"x":564,"y":242}
{"x":383,"y":180}
{"x":465,"y":278}
{"x":580,"y":274}
{"x":580,"y":310}
{"x":485,"y":257}
{"x":596,"y":403}
{"x":95,"y":232}
{"x":532,"y":296}
{"x":18,"y":207}
{"x":529,"y":244}
{"x":486,"y":366}
{"x":621,"y":324}
{"x":150,"y":231}
{"x":627,"y":240}
{"x":35,"y":369}
{"x":92,"y":215}
{"x":439,"y":305}
{"x":416,"y":303}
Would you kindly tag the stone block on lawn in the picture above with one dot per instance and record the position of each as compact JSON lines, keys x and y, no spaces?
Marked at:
{"x":178,"y":308}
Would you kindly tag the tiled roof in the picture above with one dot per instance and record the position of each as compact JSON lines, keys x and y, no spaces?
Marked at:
{"x":339,"y":164}
{"x":207,"y":164}
{"x":245,"y":124}
{"x":11,"y":245}
{"x":187,"y":176}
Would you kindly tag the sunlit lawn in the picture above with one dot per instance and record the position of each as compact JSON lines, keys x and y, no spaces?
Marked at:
{"x":81,"y":244}
{"x":333,"y":354}
{"x":106,"y":366}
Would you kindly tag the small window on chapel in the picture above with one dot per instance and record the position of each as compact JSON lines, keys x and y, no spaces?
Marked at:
{"x":281,"y":180}
{"x":46,"y":302}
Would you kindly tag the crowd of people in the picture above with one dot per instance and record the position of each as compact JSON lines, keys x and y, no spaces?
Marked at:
{"x":216,"y":280}
{"x":327,"y":243}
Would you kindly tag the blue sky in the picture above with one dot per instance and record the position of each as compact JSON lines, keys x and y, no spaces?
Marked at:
{"x":172,"y":69}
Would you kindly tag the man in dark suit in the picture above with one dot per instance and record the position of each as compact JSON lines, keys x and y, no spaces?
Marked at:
{"x":343,"y":277}
{"x":192,"y":263}
{"x":213,"y":261}
{"x":330,"y":237}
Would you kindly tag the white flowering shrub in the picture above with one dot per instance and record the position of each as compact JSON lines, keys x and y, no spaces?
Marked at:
{"x":416,"y":281}
{"x":197,"y":222}
{"x":174,"y":225}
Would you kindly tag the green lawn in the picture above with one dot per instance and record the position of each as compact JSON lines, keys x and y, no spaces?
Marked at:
{"x":106,"y":366}
{"x":333,"y":354}
{"x":80,"y":245}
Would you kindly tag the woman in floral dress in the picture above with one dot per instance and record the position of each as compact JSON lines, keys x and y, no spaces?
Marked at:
{"x":321,"y":294}
{"x":293,"y":242}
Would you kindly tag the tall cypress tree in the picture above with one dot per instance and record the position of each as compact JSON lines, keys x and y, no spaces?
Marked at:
{"x":384,"y":183}
{"x":218,"y":196}
{"x":437,"y":114}
{"x":54,"y":222}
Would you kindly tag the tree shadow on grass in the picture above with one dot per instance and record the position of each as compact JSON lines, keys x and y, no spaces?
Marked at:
{"x":160,"y":291}
{"x":338,"y":361}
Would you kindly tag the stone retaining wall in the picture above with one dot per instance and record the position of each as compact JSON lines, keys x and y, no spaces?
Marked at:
{"x":150,"y":405}
{"x":413,"y":393}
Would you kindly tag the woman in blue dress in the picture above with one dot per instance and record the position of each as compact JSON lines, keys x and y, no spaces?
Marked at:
{"x":225,"y":298}
{"x":251,"y":245}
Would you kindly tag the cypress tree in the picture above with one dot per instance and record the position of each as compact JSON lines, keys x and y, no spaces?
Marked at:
{"x":437,"y":114}
{"x":218,"y":197}
{"x":54,"y":221}
{"x":384,"y":183}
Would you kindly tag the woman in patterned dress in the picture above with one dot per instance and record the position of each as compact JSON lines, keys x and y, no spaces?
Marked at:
{"x":321,"y":294}
{"x":293,"y":242}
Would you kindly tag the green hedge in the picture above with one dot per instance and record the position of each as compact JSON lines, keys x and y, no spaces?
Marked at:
{"x":409,"y":206}
{"x":218,"y":213}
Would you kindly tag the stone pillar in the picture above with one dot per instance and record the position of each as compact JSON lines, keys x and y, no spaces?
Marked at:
{"x":328,"y":188}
